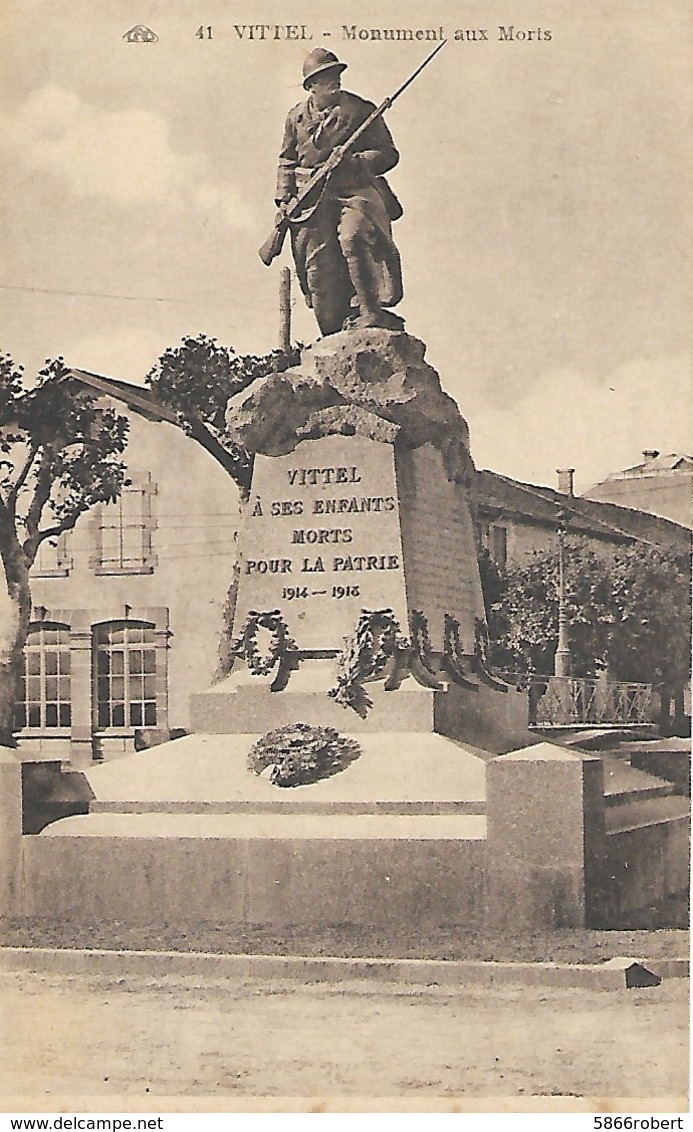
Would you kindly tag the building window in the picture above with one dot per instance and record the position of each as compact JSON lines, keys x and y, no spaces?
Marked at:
{"x":124,"y":531}
{"x":52,"y":559}
{"x":125,"y":675}
{"x":45,"y":694}
{"x":499,"y":545}
{"x":483,"y":529}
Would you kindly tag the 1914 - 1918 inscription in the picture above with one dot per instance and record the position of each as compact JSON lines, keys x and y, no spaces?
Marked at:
{"x":322,"y":539}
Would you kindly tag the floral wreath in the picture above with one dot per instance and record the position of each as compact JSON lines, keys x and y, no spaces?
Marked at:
{"x":300,"y":754}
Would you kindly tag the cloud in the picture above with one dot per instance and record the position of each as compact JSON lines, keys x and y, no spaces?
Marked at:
{"x":567,"y":421}
{"x":125,"y":155}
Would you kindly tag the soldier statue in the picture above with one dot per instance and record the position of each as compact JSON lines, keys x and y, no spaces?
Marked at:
{"x":346,"y":261}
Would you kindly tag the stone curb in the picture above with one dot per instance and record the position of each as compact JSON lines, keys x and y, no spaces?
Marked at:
{"x":612,"y":975}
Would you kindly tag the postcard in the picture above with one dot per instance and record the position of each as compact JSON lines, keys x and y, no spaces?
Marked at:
{"x":345,"y":404}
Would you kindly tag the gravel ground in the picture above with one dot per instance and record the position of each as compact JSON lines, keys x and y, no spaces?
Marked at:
{"x":401,"y":942}
{"x":77,"y":1042}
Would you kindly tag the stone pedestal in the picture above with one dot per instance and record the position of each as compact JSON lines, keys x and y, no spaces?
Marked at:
{"x":362,"y":503}
{"x":546,"y":841}
{"x":10,"y":833}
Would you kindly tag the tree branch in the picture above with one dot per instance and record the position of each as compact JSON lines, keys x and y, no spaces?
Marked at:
{"x":21,"y":479}
{"x":10,"y":548}
{"x":66,"y":524}
{"x":42,"y":491}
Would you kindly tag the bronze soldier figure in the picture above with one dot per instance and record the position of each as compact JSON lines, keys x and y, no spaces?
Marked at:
{"x":347,"y":263}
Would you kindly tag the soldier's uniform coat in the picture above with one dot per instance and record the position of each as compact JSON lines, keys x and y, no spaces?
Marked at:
{"x":354,"y":214}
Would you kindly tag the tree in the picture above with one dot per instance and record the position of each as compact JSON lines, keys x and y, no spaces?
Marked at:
{"x":60,"y":454}
{"x":651,"y":637}
{"x":196,"y":380}
{"x":629,"y":613}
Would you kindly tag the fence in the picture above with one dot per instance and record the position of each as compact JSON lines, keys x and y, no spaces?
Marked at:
{"x":566,"y":701}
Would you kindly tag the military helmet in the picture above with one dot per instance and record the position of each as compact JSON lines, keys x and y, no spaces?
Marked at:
{"x":320,"y":60}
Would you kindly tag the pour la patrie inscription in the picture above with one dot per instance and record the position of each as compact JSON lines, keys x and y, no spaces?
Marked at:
{"x":322,"y":539}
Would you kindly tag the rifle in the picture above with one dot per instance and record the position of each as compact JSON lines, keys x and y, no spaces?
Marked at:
{"x":275,"y":241}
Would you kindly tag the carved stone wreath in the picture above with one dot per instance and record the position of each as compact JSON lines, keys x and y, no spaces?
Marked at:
{"x":453,"y":652}
{"x":265,"y":640}
{"x":421,"y":640}
{"x":376,"y":640}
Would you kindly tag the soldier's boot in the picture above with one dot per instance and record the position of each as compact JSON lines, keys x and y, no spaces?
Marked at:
{"x":370,"y":312}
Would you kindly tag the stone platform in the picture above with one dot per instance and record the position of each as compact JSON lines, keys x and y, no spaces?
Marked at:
{"x":396,"y":773}
{"x":267,"y":869}
{"x":187,"y":830}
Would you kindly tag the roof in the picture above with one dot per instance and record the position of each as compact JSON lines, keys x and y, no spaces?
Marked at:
{"x":540,"y":506}
{"x":655,"y":465}
{"x":136,"y":397}
{"x":497,"y":494}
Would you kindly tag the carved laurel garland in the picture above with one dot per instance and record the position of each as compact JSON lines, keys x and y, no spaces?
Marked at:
{"x":376,"y":639}
{"x":482,"y":649}
{"x":453,"y":653}
{"x":278,"y":648}
{"x":421,"y":640}
{"x":452,"y":644}
{"x":481,"y":641}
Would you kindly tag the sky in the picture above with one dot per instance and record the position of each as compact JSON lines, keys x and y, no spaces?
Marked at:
{"x":545,"y":182}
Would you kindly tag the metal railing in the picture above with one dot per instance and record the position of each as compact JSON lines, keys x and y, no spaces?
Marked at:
{"x":568,"y":701}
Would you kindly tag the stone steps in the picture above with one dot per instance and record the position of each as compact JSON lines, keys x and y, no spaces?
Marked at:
{"x":623,"y":783}
{"x":403,"y":807}
{"x":639,"y":813}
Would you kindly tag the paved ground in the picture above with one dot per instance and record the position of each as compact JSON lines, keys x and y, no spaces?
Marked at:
{"x":188,"y":1037}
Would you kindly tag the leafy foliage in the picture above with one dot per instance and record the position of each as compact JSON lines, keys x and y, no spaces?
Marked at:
{"x":62,"y":453}
{"x":196,"y":380}
{"x":300,"y":754}
{"x":652,"y":593}
{"x":629,"y":613}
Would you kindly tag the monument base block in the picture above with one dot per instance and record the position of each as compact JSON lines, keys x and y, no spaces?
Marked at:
{"x":482,"y":716}
{"x":245,"y":704}
{"x":278,"y":870}
{"x":405,"y":832}
{"x":546,"y":839}
{"x":186,"y":831}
